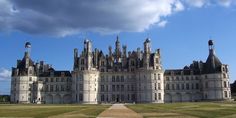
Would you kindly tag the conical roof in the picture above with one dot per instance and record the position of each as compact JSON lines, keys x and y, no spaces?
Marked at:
{"x":22,"y":64}
{"x":213,"y":64}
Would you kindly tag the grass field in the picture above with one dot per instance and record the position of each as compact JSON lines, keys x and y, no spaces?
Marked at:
{"x":53,"y":111}
{"x":190,"y":110}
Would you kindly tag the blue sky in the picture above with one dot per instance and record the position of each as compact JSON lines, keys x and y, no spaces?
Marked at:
{"x":180,"y":28}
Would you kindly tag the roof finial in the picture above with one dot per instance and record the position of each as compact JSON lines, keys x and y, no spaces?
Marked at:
{"x":117,"y":38}
{"x":28,"y":47}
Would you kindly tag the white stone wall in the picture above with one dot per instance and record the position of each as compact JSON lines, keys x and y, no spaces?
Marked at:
{"x":182,"y":88}
{"x":146,"y":90}
{"x":87,"y":87}
{"x":56,"y":90}
{"x":216,"y":86}
{"x":21,"y":90}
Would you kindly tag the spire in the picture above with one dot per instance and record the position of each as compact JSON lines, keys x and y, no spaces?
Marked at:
{"x":117,"y":43}
{"x":117,"y":39}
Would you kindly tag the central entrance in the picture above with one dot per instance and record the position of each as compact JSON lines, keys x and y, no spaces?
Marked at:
{"x":117,"y":98}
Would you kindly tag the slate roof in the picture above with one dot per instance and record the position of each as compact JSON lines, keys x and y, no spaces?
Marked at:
{"x":56,"y":74}
{"x":212,"y":64}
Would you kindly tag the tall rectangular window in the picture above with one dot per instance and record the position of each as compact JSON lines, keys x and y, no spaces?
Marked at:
{"x":102,"y":88}
{"x":155,"y":96}
{"x":167,"y":86}
{"x":113,"y":88}
{"x":177,"y":87}
{"x":51,"y":79}
{"x":113,"y":79}
{"x":51,"y":87}
{"x":117,"y":78}
{"x":225,"y":84}
{"x":182,"y":86}
{"x":122,"y":78}
{"x":197,"y":86}
{"x":187,"y":86}
{"x":159,"y":86}
{"x":62,"y":88}
{"x":159,"y":96}
{"x":206,"y":85}
{"x":173,"y":87}
{"x":155,"y":86}
{"x":122,"y":88}
{"x":159,"y":76}
{"x":226,"y":95}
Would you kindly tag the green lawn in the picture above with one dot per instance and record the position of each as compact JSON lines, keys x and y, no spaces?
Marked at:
{"x":39,"y":111}
{"x":195,"y":110}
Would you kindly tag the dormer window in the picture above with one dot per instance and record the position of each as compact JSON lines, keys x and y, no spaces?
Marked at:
{"x":223,"y":69}
{"x":51,"y":74}
{"x":62,"y":74}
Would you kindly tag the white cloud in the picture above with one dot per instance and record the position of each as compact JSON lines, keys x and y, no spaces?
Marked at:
{"x":162,"y":23}
{"x":225,"y":3}
{"x":5,"y":74}
{"x":179,"y":6}
{"x":196,"y":3}
{"x":201,"y":3}
{"x":63,"y":17}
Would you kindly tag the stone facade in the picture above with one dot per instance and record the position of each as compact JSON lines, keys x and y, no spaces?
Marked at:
{"x":118,"y":76}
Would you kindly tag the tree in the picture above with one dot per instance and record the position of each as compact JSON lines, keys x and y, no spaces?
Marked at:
{"x":233,"y":87}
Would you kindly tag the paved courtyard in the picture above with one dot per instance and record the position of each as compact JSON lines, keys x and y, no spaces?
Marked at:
{"x":119,"y":111}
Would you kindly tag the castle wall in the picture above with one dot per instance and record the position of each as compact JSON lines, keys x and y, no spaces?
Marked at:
{"x":22,"y":89}
{"x":182,"y":88}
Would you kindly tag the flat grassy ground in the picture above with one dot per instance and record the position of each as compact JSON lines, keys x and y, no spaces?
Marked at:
{"x":54,"y":111}
{"x":190,"y":110}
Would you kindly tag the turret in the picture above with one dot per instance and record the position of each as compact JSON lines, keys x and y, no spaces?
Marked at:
{"x":147,"y":46}
{"x":147,"y":52}
{"x":88,"y":53}
{"x":75,"y":58}
{"x":117,"y":50}
{"x":110,"y":51}
{"x":124,"y":56}
{"x":215,"y":79}
{"x":124,"y":51}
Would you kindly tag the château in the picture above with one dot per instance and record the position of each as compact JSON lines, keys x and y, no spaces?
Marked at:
{"x":119,"y":76}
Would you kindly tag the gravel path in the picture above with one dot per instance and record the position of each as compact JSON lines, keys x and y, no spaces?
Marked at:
{"x":119,"y":111}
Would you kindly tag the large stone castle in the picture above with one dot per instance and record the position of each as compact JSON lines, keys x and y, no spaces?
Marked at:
{"x":119,"y":76}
